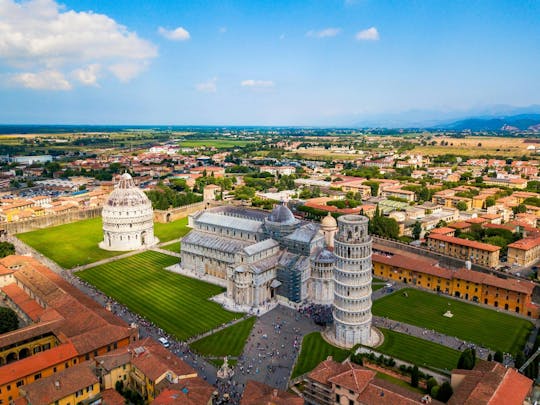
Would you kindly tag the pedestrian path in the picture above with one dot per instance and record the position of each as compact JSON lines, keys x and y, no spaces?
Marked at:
{"x":211,"y":332}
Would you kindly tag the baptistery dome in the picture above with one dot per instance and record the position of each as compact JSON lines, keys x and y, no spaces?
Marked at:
{"x":128,"y":218}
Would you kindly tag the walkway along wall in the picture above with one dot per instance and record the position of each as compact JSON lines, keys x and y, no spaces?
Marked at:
{"x":46,"y":221}
{"x":172,"y":214}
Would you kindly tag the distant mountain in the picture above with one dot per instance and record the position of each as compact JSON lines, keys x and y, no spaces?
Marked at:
{"x":510,"y":123}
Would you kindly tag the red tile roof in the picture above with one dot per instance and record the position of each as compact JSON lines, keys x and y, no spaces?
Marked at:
{"x":192,"y":391}
{"x":37,"y":363}
{"x":409,"y":263}
{"x":23,"y":301}
{"x":465,"y":242}
{"x":47,"y":390}
{"x":490,"y":383}
{"x":257,"y":393}
{"x":525,"y":244}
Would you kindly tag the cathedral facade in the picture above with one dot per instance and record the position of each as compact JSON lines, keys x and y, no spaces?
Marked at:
{"x":261,"y":255}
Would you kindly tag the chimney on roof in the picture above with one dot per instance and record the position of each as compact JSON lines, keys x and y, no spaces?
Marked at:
{"x":57,"y":384}
{"x":274,"y":393}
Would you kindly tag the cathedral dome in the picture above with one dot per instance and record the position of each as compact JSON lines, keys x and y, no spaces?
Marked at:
{"x":282,"y":214}
{"x":329,"y":222}
{"x":127,"y":194}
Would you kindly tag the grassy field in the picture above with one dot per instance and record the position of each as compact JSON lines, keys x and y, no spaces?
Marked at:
{"x":173,"y":247}
{"x":314,"y":350}
{"x":496,"y":330}
{"x":70,"y":245}
{"x":215,"y":143}
{"x":418,"y":351}
{"x":378,"y":284}
{"x":171,"y":230}
{"x":476,"y":146}
{"x":227,"y":342}
{"x":176,"y":303}
{"x":75,"y":244}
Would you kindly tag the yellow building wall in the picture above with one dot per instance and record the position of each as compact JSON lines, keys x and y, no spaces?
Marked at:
{"x":73,"y":399}
{"x":10,"y":391}
{"x":476,"y":292}
{"x":118,"y":374}
{"x":38,"y":344}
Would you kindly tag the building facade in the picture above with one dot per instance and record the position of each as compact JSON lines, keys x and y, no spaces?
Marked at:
{"x":128,"y":218}
{"x":352,"y":281}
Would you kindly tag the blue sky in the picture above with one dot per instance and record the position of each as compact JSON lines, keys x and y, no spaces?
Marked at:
{"x":334,"y":62}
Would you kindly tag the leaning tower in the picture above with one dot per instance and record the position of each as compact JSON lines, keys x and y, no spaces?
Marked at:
{"x":352,"y":282}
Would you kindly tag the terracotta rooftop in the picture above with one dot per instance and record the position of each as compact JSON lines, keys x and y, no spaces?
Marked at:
{"x":112,"y":397}
{"x":327,"y":369}
{"x":353,"y":379}
{"x":33,"y":364}
{"x":382,"y":392}
{"x":155,"y":360}
{"x":47,"y":390}
{"x":459,"y":225}
{"x":465,"y":242}
{"x":257,"y":393}
{"x":525,"y":244}
{"x":410,"y":263}
{"x":490,"y":383}
{"x":191,"y":391}
{"x":445,"y":230}
{"x":20,"y":298}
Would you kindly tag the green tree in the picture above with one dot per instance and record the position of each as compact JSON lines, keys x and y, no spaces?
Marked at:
{"x":462,"y":206}
{"x":498,"y":356}
{"x":244,"y":193}
{"x":490,"y":202}
{"x":415,"y":376}
{"x":445,"y":392}
{"x":430,"y":383}
{"x":417,"y":230}
{"x":8,"y":320}
{"x":6,"y":249}
{"x":466,"y":360}
{"x":520,"y":209}
{"x":519,"y":360}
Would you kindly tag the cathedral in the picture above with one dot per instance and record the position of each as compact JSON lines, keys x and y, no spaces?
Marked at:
{"x":261,"y":256}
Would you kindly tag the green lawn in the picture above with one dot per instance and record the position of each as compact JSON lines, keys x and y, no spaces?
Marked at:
{"x":418,"y":351}
{"x":216,"y":143}
{"x":314,"y":350}
{"x":176,"y":303}
{"x":173,"y":247}
{"x":227,"y":342}
{"x":75,"y":244}
{"x":171,"y":230}
{"x":70,"y":245}
{"x":496,"y":330}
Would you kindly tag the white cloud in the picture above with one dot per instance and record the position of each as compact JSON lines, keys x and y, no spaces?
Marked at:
{"x":127,"y":71}
{"x":210,"y":86}
{"x":45,"y":80}
{"x":324,"y":33}
{"x":257,"y":84}
{"x":370,"y":34}
{"x":41,"y":36}
{"x":178,"y":34}
{"x":88,"y":75}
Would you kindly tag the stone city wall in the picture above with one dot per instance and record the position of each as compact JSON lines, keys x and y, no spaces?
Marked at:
{"x":172,"y":214}
{"x":46,"y":221}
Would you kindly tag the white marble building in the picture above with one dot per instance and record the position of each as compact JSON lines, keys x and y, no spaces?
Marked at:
{"x":352,"y":282}
{"x":128,"y":218}
{"x":262,"y":255}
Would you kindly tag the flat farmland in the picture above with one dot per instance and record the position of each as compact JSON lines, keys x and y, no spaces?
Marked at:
{"x":492,"y":329}
{"x":180,"y":305}
{"x":476,"y":146}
